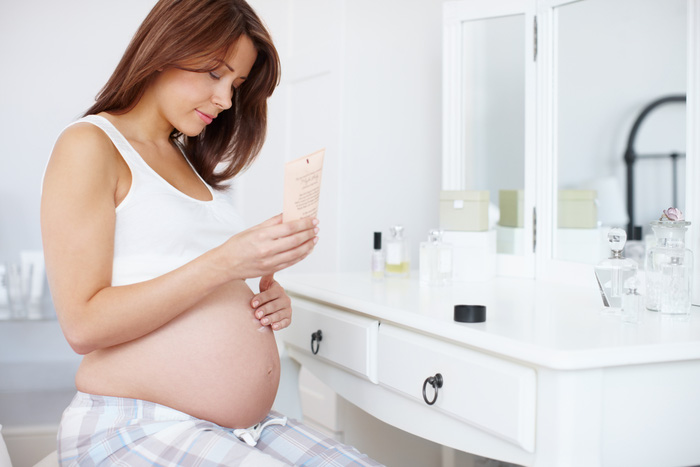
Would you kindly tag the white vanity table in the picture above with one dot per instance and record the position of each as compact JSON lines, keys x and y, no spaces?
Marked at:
{"x":547,"y":380}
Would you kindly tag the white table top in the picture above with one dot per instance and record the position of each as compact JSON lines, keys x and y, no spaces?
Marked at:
{"x":546,"y":324}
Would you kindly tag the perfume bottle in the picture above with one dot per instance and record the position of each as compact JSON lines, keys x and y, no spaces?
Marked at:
{"x":631,"y":301}
{"x":396,"y":261}
{"x":612,"y":273}
{"x":669,"y":269}
{"x":435,"y":260}
{"x":635,"y":248}
{"x":377,"y":257}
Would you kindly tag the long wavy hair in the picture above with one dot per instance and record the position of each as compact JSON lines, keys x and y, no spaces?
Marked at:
{"x":196,"y":35}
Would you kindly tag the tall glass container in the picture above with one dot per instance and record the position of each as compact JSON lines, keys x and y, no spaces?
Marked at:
{"x":435,"y":260}
{"x":669,"y":269}
{"x":613,"y":272}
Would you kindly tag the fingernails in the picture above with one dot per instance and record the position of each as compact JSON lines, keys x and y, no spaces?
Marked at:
{"x":255,"y":304}
{"x":265,"y":321}
{"x":316,"y":230}
{"x":314,"y":222}
{"x":259,"y":314}
{"x":315,"y":240}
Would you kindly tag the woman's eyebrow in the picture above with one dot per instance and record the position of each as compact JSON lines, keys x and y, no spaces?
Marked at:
{"x":231,"y":69}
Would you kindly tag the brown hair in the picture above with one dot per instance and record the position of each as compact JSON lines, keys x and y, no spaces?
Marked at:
{"x":178,"y":33}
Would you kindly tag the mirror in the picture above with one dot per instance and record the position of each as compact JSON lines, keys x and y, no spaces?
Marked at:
{"x":493,"y":119}
{"x":613,"y":58}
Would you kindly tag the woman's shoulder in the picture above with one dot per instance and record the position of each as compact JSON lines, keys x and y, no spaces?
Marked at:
{"x":85,"y":134}
{"x":84,"y":139}
{"x":84,"y":148}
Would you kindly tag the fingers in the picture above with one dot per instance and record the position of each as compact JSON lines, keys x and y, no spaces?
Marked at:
{"x":270,"y":247}
{"x":277,"y":320}
{"x":281,"y":324}
{"x":283,"y":252}
{"x":288,"y":229}
{"x":271,"y":221}
{"x":293,"y":256}
{"x":273,"y":307}
{"x":266,"y":282}
{"x":294,"y":241}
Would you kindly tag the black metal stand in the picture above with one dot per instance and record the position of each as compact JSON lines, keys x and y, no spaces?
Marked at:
{"x":631,"y":157}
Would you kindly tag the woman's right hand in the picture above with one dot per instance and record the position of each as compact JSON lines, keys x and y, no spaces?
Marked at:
{"x":269,"y":247}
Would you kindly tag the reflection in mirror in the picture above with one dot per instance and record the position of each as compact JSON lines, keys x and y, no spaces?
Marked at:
{"x":494,"y":119}
{"x":612,"y":59}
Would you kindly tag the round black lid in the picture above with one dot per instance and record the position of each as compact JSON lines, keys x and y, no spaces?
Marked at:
{"x":470,"y":313}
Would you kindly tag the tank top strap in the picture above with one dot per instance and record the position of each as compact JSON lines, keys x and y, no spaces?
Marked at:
{"x":127,"y":151}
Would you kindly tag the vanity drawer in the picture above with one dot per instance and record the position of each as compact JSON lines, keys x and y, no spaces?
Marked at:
{"x":495,"y":395}
{"x":347,"y":340}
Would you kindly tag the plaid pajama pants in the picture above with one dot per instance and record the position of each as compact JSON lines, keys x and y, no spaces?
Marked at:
{"x":105,"y":431}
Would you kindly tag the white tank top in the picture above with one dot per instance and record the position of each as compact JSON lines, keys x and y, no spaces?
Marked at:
{"x":158,"y":227}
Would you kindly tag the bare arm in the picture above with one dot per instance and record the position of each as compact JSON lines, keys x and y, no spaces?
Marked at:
{"x":78,"y":220}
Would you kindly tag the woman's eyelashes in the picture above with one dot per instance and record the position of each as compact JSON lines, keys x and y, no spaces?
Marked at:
{"x":216,"y":76}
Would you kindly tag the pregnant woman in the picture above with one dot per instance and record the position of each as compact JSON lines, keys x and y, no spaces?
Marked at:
{"x":147,"y":258}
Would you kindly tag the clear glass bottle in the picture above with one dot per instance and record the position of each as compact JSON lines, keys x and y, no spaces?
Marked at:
{"x":669,"y":269}
{"x":397,"y":260}
{"x":377,"y":257}
{"x":613,"y":272}
{"x":631,"y":301}
{"x":435,"y":260}
{"x":635,"y":248}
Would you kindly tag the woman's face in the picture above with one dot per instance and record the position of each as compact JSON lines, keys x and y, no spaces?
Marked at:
{"x":189,"y":101}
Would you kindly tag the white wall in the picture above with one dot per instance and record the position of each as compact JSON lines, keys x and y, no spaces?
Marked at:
{"x":364,"y":82}
{"x":392,"y":129}
{"x":55,"y":58}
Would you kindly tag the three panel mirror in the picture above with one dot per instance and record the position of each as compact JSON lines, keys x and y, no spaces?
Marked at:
{"x":616,"y":109}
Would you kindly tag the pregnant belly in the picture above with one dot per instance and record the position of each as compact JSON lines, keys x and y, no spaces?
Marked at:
{"x":215,"y":362}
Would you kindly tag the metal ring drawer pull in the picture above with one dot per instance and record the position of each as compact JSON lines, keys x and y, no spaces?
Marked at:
{"x":436,"y":383}
{"x":316,"y":338}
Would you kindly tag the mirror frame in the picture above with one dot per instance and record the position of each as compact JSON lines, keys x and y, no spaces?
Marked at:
{"x":455,"y":13}
{"x":548,"y":267}
{"x":693,"y":140}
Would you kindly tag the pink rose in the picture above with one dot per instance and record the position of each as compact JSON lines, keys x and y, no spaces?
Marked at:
{"x":672,"y":214}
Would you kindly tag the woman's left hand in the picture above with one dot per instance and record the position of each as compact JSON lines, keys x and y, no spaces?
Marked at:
{"x":272,"y":305}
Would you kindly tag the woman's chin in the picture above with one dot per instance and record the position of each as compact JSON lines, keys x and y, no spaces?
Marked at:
{"x":191,"y":133}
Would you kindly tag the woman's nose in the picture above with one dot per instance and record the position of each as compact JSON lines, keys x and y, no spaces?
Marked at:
{"x":222,"y":97}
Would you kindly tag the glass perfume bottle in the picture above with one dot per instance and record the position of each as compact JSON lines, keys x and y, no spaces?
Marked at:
{"x":635,"y":248}
{"x":613,"y":272}
{"x":435,"y":260}
{"x":397,"y":261}
{"x":669,"y":269}
{"x":631,"y":301}
{"x":377,"y":257}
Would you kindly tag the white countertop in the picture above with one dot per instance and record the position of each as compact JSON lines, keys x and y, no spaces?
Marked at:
{"x":546,"y":324}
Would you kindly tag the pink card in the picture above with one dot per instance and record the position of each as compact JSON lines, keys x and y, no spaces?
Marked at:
{"x":302,"y":186}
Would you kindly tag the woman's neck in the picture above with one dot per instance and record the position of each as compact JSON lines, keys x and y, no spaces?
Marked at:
{"x":144,"y":123}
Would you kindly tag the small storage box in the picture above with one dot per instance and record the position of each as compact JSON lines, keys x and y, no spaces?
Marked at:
{"x":466,"y":211}
{"x":578,"y":209}
{"x":510,"y":203}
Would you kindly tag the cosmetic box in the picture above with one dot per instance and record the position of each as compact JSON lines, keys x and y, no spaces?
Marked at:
{"x":464,"y":210}
{"x":510,"y":204}
{"x":578,"y":209}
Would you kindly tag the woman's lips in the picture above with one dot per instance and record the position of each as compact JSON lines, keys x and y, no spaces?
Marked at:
{"x":206,"y":118}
